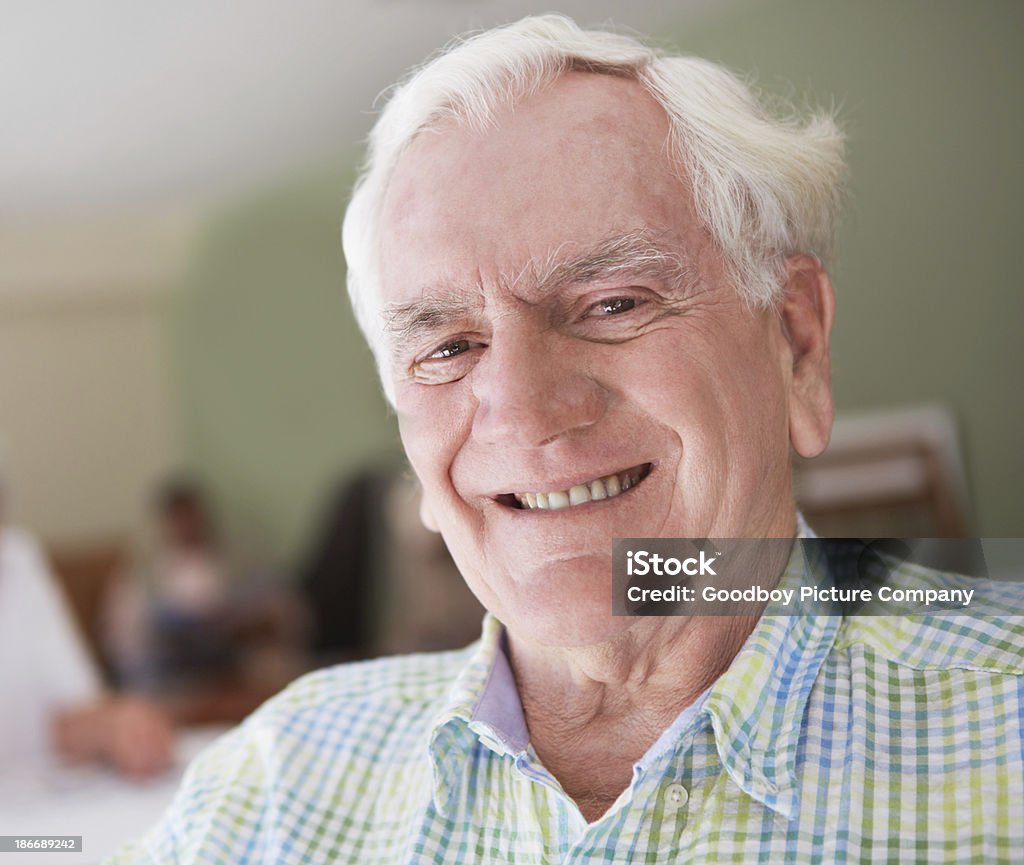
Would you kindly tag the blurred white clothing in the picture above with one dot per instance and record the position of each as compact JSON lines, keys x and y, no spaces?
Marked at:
{"x":44,"y":665}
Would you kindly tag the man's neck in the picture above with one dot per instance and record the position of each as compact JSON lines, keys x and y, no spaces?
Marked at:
{"x":594,"y":711}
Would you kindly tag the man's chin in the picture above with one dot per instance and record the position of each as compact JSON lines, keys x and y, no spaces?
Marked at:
{"x":567,"y":615}
{"x":564,"y":601}
{"x":571,"y":629}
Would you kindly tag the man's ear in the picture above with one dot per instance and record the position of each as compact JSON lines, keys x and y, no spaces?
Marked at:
{"x":807,"y":312}
{"x":427,"y":516}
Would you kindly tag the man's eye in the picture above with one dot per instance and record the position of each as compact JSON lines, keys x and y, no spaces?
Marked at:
{"x":448,"y":362}
{"x":613,"y":306}
{"x":451,"y":349}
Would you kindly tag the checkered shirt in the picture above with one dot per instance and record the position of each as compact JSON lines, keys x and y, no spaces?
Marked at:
{"x":828,"y":739}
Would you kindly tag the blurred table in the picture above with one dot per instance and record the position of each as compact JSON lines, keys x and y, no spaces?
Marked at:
{"x":106,"y":809}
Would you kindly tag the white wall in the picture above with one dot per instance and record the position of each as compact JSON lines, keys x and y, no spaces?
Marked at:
{"x":86,"y":423}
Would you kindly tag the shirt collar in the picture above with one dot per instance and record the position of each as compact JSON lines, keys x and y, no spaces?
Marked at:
{"x":756,"y":707}
{"x":482,"y":706}
{"x":484,"y":695}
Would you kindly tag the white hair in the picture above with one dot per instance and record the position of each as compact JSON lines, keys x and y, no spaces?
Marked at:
{"x":763,"y":187}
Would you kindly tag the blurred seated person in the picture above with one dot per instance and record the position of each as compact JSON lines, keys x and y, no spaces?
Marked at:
{"x":54,"y":698}
{"x":376,"y":581}
{"x":167,"y":617}
{"x":183,"y":627}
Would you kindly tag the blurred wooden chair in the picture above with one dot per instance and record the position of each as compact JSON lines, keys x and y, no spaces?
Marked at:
{"x":86,"y":572}
{"x":888,"y":473}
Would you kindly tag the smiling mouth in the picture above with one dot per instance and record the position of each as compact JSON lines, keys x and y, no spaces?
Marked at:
{"x":606,"y":487}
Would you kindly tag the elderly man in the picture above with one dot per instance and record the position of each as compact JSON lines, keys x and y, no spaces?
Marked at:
{"x":593,"y":278}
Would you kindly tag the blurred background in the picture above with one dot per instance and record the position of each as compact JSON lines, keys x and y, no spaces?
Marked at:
{"x":190,"y":425}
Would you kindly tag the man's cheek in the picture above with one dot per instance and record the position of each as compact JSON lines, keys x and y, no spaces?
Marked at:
{"x":433,"y":417}
{"x":420,"y":434}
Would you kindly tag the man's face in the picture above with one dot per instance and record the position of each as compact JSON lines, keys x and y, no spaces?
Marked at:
{"x":560,"y":317}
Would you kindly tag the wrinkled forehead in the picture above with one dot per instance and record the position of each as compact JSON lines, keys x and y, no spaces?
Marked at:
{"x":570,"y":167}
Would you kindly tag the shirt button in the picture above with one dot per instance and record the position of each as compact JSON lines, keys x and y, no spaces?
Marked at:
{"x":676,"y":797}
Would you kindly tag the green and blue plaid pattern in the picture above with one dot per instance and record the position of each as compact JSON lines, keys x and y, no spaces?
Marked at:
{"x":867,"y":739}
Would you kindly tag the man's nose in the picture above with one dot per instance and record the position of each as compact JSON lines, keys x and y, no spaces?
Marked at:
{"x":532,"y":389}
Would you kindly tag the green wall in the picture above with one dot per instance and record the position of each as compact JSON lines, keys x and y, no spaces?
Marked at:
{"x":930,"y":305}
{"x":277,"y":388}
{"x":277,"y":391}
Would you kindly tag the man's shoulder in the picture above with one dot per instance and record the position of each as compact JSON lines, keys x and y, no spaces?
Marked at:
{"x":974,"y":624}
{"x":390,"y":682}
{"x":413,"y":685}
{"x":328,"y":746}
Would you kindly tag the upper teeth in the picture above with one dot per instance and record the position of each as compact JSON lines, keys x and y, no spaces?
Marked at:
{"x":601,"y":488}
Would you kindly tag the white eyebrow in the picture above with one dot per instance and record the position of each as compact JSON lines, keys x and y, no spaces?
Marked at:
{"x":634,"y":253}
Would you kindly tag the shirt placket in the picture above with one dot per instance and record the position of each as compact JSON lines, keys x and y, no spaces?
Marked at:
{"x":650,"y":820}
